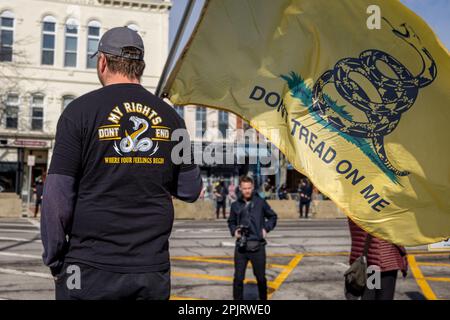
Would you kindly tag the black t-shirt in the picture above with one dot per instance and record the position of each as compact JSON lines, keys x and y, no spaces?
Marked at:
{"x":116,"y":142}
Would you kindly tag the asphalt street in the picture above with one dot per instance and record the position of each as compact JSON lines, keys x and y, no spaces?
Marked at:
{"x":306,"y":260}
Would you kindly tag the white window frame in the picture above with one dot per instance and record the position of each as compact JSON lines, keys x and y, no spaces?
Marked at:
{"x":14,"y":105}
{"x":50,"y":19}
{"x":95,"y":24}
{"x":8,"y":14}
{"x":34,"y":106}
{"x":71,"y":22}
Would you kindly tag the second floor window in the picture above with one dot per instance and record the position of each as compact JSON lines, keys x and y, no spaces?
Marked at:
{"x":223,"y":123}
{"x":92,"y":44}
{"x":71,"y":43}
{"x":6,"y":36}
{"x":37,"y":112}
{"x":12,"y":111}
{"x":200,"y":122}
{"x":48,"y":40}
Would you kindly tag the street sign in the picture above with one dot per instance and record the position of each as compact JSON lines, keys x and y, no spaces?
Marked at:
{"x":31,"y":160}
{"x":440,"y":246}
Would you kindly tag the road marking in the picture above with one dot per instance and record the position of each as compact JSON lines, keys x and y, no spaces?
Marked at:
{"x":26,"y":273}
{"x":19,"y":231}
{"x":233,"y":244}
{"x":285,"y":273}
{"x":227,"y":244}
{"x":202,"y":259}
{"x":312,"y":254}
{"x":21,"y":255}
{"x":341,"y":264}
{"x":325,"y":254}
{"x":201,"y":276}
{"x":426,"y":253}
{"x":306,"y":254}
{"x":19,"y":239}
{"x":218,"y":261}
{"x":420,"y":279}
{"x":216,"y":278}
{"x":437,"y":279}
{"x":34,"y":222}
{"x":433,"y":264}
{"x":183,"y":298}
{"x":207,"y":257}
{"x":25,"y":225}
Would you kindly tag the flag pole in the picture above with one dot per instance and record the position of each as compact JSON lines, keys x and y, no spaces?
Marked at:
{"x":175,"y":45}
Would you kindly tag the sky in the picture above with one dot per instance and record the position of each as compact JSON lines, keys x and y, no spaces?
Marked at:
{"x":435,"y":12}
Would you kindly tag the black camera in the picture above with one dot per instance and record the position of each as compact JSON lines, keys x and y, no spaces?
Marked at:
{"x":244,"y":231}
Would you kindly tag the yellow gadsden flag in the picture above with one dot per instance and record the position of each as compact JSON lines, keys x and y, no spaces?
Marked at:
{"x":360,"y":105}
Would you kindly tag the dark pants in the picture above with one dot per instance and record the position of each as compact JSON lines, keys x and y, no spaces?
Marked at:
{"x":98,"y":284}
{"x":304,"y":205}
{"x":36,"y":207}
{"x":387,"y":290}
{"x":258,"y":260}
{"x":219,"y":205}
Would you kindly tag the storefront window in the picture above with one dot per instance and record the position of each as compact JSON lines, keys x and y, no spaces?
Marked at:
{"x":8,"y":176}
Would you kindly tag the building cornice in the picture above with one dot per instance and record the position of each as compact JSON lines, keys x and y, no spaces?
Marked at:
{"x":141,"y":5}
{"x":6,"y":134}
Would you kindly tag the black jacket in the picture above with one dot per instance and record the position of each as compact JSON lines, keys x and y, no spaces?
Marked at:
{"x":306,"y":191}
{"x":260,"y":215}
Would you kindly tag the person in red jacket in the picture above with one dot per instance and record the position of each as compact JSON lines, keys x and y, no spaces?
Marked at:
{"x":388,"y":257}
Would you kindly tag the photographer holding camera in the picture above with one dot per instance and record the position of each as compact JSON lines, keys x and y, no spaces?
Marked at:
{"x":251,"y":218}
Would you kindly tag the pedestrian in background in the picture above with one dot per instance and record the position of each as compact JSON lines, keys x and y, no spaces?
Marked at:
{"x":220,"y":194}
{"x":282,"y":192}
{"x":268,"y":189}
{"x":38,"y":189}
{"x":305,"y":194}
{"x":389,"y":258}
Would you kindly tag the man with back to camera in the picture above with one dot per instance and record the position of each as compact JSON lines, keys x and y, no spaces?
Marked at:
{"x":251,"y":218}
{"x":107,"y":203}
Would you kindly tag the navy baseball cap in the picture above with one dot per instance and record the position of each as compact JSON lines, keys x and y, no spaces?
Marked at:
{"x":116,"y":39}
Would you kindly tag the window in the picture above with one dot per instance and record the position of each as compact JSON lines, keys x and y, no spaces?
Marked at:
{"x":66,"y":100}
{"x":223,"y":123}
{"x":200,"y":122}
{"x":48,"y":40}
{"x":37,"y":112}
{"x":71,"y":45}
{"x":6,"y":36}
{"x":179,"y":110}
{"x":92,"y":45}
{"x":12,"y":111}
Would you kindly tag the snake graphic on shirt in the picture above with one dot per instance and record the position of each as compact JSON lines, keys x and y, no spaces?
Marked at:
{"x":131,"y":142}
